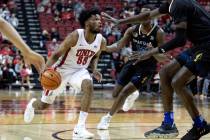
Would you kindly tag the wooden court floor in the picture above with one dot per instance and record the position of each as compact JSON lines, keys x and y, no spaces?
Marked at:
{"x":58,"y":121}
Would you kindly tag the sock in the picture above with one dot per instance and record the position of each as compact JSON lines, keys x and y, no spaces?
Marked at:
{"x":169,"y":118}
{"x":108,"y":115}
{"x":199,"y":121}
{"x":82,"y":118}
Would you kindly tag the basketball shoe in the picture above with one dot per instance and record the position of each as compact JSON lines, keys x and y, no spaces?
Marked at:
{"x":165,"y":131}
{"x":130,"y":101}
{"x":195,"y":133}
{"x":104,"y":123}
{"x":81,"y":132}
{"x":29,"y":112}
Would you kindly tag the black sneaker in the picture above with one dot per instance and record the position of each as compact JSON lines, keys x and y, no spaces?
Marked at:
{"x":195,"y":133}
{"x":164,"y":131}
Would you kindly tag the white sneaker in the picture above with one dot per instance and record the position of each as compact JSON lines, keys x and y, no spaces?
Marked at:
{"x":104,"y":123}
{"x":130,"y":101}
{"x":81,"y":132}
{"x":29,"y":112}
{"x":103,"y":134}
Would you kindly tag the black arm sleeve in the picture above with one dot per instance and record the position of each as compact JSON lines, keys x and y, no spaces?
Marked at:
{"x":179,"y":40}
{"x":164,"y":8}
{"x":180,"y":12}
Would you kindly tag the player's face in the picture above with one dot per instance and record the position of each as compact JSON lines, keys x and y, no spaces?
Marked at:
{"x":146,"y":10}
{"x":94,"y":23}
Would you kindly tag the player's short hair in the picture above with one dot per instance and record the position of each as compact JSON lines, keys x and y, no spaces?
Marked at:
{"x":86,"y":14}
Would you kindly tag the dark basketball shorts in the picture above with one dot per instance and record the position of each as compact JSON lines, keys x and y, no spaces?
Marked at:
{"x":196,"y":59}
{"x":138,"y":75}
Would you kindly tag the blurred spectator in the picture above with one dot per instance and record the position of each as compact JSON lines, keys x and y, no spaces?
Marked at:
{"x":57,"y":16}
{"x":17,"y":64}
{"x":107,"y":29}
{"x":12,"y":6}
{"x":5,"y":12}
{"x":8,"y":75}
{"x":129,"y":12}
{"x":41,"y":6}
{"x":52,"y":47}
{"x":25,"y":75}
{"x":69,"y":6}
{"x":44,"y":38}
{"x":117,"y":33}
{"x":13,"y":21}
{"x":1,"y":72}
{"x":48,"y":8}
{"x":54,"y":34}
{"x":206,"y":86}
{"x":59,"y":6}
{"x":95,"y":5}
{"x":78,"y":7}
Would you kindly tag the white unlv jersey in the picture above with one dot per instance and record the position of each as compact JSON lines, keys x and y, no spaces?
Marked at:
{"x":81,"y":54}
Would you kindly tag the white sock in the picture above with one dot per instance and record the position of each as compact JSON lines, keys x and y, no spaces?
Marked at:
{"x":82,"y":118}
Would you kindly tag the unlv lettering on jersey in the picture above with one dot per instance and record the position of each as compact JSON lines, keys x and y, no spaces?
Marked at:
{"x":83,"y":55}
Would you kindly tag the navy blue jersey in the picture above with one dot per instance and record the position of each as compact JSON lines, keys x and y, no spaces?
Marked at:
{"x":140,"y":42}
{"x":197,"y":18}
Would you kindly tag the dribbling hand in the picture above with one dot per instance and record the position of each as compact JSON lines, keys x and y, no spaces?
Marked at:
{"x":35,"y":59}
{"x":97,"y":75}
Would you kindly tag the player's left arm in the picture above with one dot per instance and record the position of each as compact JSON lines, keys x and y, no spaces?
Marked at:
{"x":93,"y":66}
{"x":160,"y":40}
{"x":180,"y":16}
{"x":94,"y":61}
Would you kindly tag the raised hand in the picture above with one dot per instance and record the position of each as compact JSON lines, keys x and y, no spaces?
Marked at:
{"x":109,"y":18}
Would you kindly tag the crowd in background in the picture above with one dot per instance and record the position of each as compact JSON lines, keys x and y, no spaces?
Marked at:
{"x":13,"y":69}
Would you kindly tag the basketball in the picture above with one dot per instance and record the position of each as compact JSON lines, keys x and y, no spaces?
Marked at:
{"x":50,"y":79}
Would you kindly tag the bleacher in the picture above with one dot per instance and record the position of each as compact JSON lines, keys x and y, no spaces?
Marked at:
{"x":69,"y":23}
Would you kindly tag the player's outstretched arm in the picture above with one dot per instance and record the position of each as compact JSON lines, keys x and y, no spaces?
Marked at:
{"x":30,"y":56}
{"x":70,"y":41}
{"x":178,"y":41}
{"x":116,"y":47}
{"x":134,"y":19}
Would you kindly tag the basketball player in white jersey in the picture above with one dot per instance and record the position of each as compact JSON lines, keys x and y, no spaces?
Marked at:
{"x":30,"y":56}
{"x":71,"y":60}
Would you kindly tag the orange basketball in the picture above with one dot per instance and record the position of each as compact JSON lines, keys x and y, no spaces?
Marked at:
{"x":50,"y":79}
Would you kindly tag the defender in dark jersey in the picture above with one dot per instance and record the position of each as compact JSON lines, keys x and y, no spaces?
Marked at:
{"x":192,"y":22}
{"x":132,"y":77}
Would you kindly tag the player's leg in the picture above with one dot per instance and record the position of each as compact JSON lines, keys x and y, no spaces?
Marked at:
{"x":179,"y":84}
{"x":37,"y":104}
{"x":118,"y":87}
{"x":126,"y":91}
{"x":167,"y":128}
{"x":199,"y":65}
{"x":46,"y":100}
{"x":140,"y":79}
{"x":123,"y":79}
{"x":83,"y":80}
